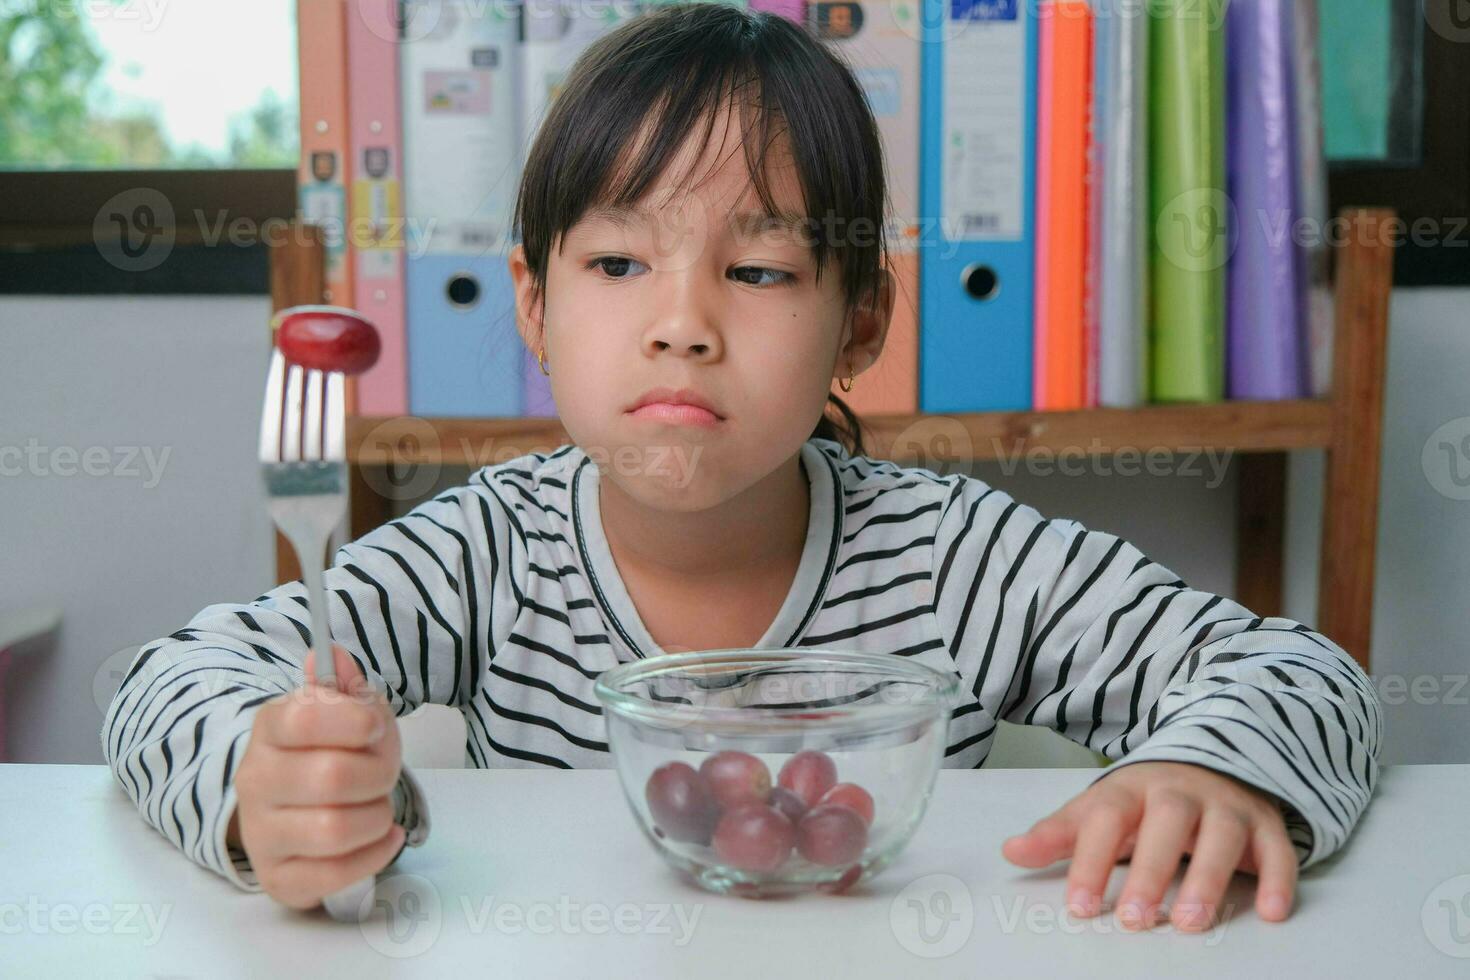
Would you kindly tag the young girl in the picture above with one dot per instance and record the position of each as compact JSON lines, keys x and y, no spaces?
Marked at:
{"x":701,"y":254}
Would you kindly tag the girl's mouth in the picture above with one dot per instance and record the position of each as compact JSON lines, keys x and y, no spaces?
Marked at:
{"x":676,"y":414}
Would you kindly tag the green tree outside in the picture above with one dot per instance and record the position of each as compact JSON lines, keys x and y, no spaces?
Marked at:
{"x":50,"y":115}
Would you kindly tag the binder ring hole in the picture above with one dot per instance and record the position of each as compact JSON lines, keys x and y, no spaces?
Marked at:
{"x":463,"y":291}
{"x":980,"y":281}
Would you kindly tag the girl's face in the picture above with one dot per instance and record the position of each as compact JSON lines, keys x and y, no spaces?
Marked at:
{"x":690,"y":291}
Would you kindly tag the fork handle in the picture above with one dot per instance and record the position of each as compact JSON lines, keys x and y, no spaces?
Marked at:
{"x":351,"y":903}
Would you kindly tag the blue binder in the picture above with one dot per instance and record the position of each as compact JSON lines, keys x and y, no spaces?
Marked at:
{"x":978,"y":149}
{"x":464,"y":354}
{"x":458,"y":62}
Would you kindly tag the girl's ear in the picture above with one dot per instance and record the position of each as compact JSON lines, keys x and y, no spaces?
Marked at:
{"x":530,"y":308}
{"x":868,"y":327}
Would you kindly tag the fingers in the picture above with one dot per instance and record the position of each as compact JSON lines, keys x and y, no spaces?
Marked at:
{"x":1168,"y":826}
{"x":1276,"y":872}
{"x":327,"y":831}
{"x":302,"y":882}
{"x":349,"y":676}
{"x":1106,"y":824}
{"x":321,"y":777}
{"x":319,"y":717}
{"x":1049,"y":839}
{"x":1223,"y":836}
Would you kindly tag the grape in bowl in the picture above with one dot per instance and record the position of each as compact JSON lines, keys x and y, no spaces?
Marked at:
{"x":774,"y":772}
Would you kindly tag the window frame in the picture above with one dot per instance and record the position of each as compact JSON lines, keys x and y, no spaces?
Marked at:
{"x":1436,"y":189}
{"x":48,"y":245}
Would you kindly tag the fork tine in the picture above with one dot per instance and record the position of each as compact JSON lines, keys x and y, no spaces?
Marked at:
{"x":336,"y":419}
{"x":270,"y":415}
{"x":291,"y":431}
{"x":312,"y":418}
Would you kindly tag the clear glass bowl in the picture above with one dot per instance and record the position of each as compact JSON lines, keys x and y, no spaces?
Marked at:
{"x":880,"y":720}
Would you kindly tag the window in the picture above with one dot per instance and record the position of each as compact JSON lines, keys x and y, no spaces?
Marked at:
{"x":113,"y":105}
{"x":1398,"y":125}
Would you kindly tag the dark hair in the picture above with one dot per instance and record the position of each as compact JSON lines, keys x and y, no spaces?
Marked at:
{"x":677,"y":64}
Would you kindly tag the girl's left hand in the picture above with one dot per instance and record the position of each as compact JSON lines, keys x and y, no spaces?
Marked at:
{"x":1157,"y":812}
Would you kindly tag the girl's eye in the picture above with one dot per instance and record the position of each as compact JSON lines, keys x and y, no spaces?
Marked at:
{"x":616,"y":267}
{"x":784,"y":277}
{"x":619,"y":263}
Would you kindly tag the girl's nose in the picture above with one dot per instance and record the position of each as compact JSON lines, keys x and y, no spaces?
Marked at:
{"x":685,"y":324}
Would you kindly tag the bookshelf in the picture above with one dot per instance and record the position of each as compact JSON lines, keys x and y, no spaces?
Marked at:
{"x":1347,"y":425}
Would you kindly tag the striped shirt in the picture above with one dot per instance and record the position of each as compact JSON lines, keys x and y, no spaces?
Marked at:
{"x":502,"y":599}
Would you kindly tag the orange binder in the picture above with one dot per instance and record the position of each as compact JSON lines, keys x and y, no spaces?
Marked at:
{"x":321,"y":45}
{"x":1063,"y":132}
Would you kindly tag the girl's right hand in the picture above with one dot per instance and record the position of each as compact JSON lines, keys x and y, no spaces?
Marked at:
{"x":314,"y":809}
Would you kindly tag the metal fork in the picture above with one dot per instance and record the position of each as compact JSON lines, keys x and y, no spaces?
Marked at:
{"x":304,"y":462}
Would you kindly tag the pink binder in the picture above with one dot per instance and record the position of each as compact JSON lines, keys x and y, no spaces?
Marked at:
{"x":376,"y":236}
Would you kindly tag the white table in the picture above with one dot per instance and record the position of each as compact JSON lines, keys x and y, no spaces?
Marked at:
{"x":532,"y":873}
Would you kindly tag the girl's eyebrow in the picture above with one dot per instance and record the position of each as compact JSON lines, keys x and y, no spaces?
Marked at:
{"x":747,"y":222}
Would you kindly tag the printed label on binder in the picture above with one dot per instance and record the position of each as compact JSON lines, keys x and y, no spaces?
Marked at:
{"x":981,"y":196}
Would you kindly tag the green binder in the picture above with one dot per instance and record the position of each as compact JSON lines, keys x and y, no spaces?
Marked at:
{"x":1187,"y":195}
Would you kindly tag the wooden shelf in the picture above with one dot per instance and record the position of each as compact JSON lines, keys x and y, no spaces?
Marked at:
{"x":1238,"y":426}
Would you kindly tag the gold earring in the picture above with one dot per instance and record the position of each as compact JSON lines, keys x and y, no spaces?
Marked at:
{"x":541,"y":360}
{"x":847,"y":385}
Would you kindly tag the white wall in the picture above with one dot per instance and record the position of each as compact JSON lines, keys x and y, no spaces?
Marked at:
{"x":130,"y":562}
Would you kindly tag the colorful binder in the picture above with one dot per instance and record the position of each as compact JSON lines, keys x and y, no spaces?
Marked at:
{"x":554,"y":37}
{"x":1121,"y":203}
{"x":977,"y":160}
{"x":1190,"y":212}
{"x":879,"y":40}
{"x":1316,"y":286}
{"x":376,"y":208}
{"x":461,"y":170}
{"x":1266,"y":356}
{"x":1063,"y":110}
{"x":792,"y":10}
{"x":325,"y":171}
